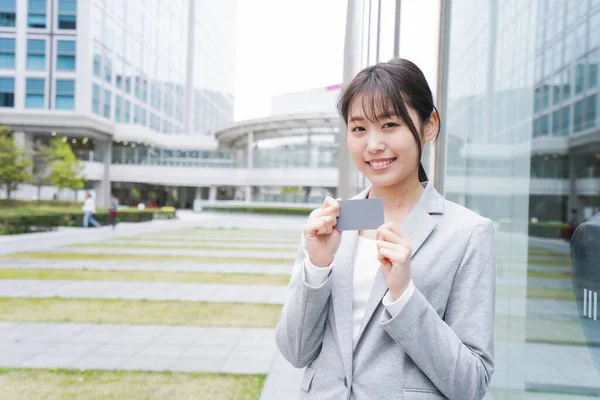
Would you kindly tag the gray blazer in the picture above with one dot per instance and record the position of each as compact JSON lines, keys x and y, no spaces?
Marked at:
{"x":439,"y":346}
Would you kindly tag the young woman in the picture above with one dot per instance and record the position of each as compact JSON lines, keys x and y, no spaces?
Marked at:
{"x":405,"y":311}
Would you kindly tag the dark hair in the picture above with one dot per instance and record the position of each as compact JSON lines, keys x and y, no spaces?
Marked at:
{"x":396,"y":83}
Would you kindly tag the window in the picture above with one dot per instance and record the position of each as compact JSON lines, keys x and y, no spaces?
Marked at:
{"x":107,"y":68}
{"x":566,"y":84}
{"x":36,"y":54}
{"x":127,"y":75}
{"x":579,"y":116}
{"x":593,"y":59}
{"x":590,"y":113}
{"x":118,"y":105}
{"x":566,"y":120}
{"x":37,"y":14}
{"x":65,"y":94}
{"x":8,"y":14}
{"x":107,"y":103}
{"x":144,"y":90}
{"x":7,"y":92}
{"x":67,"y":14}
{"x":35,"y":93}
{"x":96,"y":99}
{"x":136,"y":114}
{"x":7,"y":53}
{"x":65,"y":55}
{"x":594,"y":33}
{"x":126,"y":111}
{"x":119,"y":73}
{"x":97,"y":61}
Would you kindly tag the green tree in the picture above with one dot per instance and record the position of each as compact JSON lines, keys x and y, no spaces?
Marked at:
{"x":66,"y":171}
{"x":42,"y":158}
{"x":15,"y":165}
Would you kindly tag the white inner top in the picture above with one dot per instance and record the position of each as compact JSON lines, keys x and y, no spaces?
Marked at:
{"x":366,"y":265}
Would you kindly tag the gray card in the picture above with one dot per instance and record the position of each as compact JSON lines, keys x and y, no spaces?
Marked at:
{"x":356,"y":215}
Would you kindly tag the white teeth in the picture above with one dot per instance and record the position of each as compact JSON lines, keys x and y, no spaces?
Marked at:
{"x":380,"y":164}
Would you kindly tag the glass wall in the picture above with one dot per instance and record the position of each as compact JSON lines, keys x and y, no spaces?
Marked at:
{"x":522,"y":137}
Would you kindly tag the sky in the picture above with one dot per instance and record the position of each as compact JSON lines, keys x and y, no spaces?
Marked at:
{"x":284,"y":46}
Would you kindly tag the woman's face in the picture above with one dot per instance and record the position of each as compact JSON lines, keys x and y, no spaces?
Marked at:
{"x":385,"y":151}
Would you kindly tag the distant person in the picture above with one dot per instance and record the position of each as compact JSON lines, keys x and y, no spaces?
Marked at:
{"x":112,"y":210}
{"x":89,"y":210}
{"x":585,"y":255}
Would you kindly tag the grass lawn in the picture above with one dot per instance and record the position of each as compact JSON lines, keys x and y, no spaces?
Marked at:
{"x":536,"y":293}
{"x":144,"y":276}
{"x":108,"y":245}
{"x":534,"y":329}
{"x":105,"y":311}
{"x":33,"y":384}
{"x":157,"y":258}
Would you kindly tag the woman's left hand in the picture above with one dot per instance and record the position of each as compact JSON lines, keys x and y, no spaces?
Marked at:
{"x":394,"y":253}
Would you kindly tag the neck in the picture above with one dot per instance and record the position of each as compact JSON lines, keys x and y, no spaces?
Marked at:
{"x":401,"y":196}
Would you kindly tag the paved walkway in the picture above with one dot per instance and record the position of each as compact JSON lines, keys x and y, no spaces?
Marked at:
{"x":175,"y":252}
{"x":112,"y":265}
{"x":141,"y":347}
{"x":266,"y":246}
{"x":128,"y":290}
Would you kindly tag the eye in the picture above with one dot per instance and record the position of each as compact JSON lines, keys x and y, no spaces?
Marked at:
{"x":358,"y":129}
{"x":390,"y":125}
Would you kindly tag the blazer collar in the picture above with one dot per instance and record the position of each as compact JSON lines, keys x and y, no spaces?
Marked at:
{"x":417,"y":227}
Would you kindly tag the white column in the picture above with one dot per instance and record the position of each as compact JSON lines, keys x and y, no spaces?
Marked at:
{"x":248,"y":194}
{"x":198,"y":193}
{"x":23,"y":140}
{"x":212,"y":194}
{"x":250,"y":150}
{"x":102,"y":187}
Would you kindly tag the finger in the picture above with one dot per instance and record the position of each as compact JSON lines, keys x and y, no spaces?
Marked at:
{"x":314,"y":227}
{"x":398,"y":256}
{"x":330,"y":222}
{"x":382,"y":244}
{"x":333,"y":204}
{"x":395,"y":229}
{"x":390,"y":236}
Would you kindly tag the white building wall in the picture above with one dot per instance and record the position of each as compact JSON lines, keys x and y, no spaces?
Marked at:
{"x":306,"y":101}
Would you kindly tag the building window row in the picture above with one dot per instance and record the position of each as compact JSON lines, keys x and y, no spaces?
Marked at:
{"x":35,"y":93}
{"x":36,"y":54}
{"x":36,"y":17}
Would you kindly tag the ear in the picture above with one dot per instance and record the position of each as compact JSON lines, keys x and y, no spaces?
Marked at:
{"x":430,"y":130}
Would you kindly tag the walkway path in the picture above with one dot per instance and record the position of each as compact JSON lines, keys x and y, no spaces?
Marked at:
{"x":136,"y":347}
{"x":112,"y":265}
{"x":129,"y":290}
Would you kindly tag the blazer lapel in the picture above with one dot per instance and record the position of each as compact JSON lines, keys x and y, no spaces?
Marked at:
{"x":417,"y":227}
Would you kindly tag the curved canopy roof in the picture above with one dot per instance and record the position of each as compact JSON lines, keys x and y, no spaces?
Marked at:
{"x":278,"y":126}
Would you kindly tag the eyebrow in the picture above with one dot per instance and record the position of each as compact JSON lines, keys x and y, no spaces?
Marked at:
{"x":387,"y":114}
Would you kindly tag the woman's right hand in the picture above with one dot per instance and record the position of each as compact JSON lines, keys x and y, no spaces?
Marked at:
{"x":321,"y":236}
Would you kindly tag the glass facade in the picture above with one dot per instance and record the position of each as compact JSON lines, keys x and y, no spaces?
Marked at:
{"x":67,"y":14}
{"x":522,"y":146}
{"x":8,"y":13}
{"x":7,"y":53}
{"x":35,"y":93}
{"x":65,"y":94}
{"x":7,"y":92}
{"x":36,"y":16}
{"x":65,"y":55}
{"x":36,"y":54}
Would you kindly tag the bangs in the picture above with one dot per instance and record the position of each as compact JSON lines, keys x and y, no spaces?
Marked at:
{"x":375,"y":95}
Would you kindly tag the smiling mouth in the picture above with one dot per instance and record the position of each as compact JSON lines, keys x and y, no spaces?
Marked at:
{"x":381,"y":163}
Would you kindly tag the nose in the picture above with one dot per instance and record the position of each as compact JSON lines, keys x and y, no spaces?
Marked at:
{"x":375,"y":143}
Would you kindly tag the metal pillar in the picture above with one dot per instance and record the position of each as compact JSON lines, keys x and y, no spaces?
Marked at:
{"x":442,"y":100}
{"x":348,"y":174}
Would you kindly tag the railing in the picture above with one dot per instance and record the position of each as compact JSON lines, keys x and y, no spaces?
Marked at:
{"x":90,"y":156}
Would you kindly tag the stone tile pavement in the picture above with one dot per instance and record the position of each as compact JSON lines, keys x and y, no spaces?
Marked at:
{"x":128,"y":290}
{"x":136,"y":347}
{"x":175,"y":266}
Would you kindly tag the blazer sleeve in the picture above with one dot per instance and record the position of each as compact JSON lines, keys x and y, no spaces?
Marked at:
{"x":456,"y":353}
{"x":301,"y":326}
